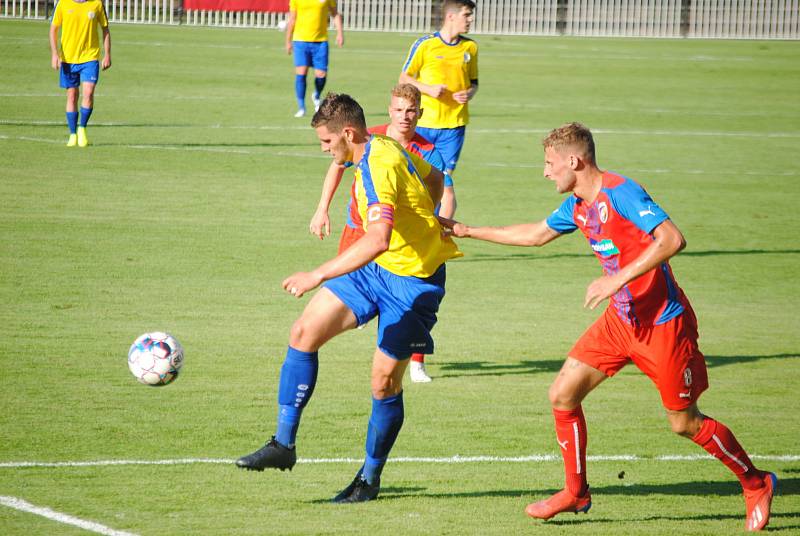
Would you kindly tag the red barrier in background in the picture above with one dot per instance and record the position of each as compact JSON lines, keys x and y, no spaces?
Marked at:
{"x":274,"y":6}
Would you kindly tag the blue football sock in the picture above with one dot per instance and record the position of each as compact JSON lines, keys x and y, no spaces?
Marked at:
{"x":86,"y":113}
{"x":319,"y":85}
{"x":298,"y":377}
{"x":384,"y":425}
{"x":72,"y":122}
{"x":300,"y":90}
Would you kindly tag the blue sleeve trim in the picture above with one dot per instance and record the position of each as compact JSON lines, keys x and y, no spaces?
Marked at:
{"x":562,"y":220}
{"x":634,"y":204}
{"x":413,"y":50}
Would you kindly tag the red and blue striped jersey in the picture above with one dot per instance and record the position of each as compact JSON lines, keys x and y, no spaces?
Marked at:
{"x":618,"y":225}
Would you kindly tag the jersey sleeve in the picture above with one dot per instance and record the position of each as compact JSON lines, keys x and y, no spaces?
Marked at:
{"x":473,"y":64}
{"x":413,"y":63}
{"x":380,"y":189}
{"x":56,"y":21}
{"x":102,"y":17}
{"x":562,"y":220}
{"x":633,"y":203}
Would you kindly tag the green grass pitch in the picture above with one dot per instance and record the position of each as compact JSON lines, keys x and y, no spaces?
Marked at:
{"x":193,"y":204}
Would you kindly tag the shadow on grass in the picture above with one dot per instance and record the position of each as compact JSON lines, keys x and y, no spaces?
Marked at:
{"x":479,"y":257}
{"x":488,"y":368}
{"x":451,"y":369}
{"x":721,"y":360}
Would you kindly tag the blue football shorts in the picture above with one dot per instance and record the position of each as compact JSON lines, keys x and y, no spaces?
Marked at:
{"x":406,"y":306}
{"x":311,"y":54}
{"x":448,"y":142}
{"x":74,"y":74}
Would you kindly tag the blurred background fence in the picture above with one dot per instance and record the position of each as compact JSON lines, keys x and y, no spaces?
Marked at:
{"x":730,"y":19}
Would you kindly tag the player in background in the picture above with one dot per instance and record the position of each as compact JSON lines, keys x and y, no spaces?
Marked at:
{"x":76,"y":56}
{"x":307,"y":37}
{"x":444,"y":67}
{"x":396,"y":271}
{"x":404,"y":111}
{"x":648,"y":321}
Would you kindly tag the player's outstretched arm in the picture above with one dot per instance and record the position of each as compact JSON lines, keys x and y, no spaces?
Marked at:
{"x":374,"y":242}
{"x":521,"y":234}
{"x":667,"y":241}
{"x":320,"y":223}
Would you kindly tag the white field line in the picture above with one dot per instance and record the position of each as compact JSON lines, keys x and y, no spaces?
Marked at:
{"x":457,"y":459}
{"x":24,"y":506}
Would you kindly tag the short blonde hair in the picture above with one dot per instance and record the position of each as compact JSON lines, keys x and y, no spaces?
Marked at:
{"x":572,"y":136}
{"x":407,"y":92}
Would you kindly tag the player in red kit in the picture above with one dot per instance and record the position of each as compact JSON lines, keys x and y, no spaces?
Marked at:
{"x":649,"y":320}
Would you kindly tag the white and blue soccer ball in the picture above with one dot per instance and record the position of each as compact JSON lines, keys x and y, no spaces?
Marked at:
{"x":155,"y":358}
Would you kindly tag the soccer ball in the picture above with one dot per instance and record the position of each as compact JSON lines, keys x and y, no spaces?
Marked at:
{"x":281,"y":25}
{"x":155,"y":358}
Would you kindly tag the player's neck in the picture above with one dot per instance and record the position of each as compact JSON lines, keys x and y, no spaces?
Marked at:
{"x":588,"y":184}
{"x":399,"y":137}
{"x":448,"y":35}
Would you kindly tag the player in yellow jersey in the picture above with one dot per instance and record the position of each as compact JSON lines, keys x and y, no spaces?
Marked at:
{"x":78,"y":58}
{"x":444,"y":67}
{"x":396,"y":271}
{"x":307,"y":37}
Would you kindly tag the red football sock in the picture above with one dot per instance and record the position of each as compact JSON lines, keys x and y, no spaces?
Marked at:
{"x":572,"y":437}
{"x":419,"y":358}
{"x":720,"y":442}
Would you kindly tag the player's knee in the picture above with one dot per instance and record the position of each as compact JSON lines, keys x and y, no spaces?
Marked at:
{"x":685,"y":425}
{"x":381,"y":386}
{"x":561,"y":397}
{"x":298,"y":334}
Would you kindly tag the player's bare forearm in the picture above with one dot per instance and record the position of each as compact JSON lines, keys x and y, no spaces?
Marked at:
{"x":290,"y":22}
{"x":55,"y":60}
{"x":338,"y":24}
{"x":435,"y":183}
{"x":320,"y":224}
{"x":364,"y":250}
{"x":522,"y":234}
{"x":106,"y":48}
{"x":668,"y":241}
{"x":434,"y":91}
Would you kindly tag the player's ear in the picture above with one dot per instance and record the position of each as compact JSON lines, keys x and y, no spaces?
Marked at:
{"x":573,"y":161}
{"x":420,"y":112}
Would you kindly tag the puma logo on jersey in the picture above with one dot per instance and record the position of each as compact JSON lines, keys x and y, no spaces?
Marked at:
{"x":581,"y":218}
{"x":643,"y":213}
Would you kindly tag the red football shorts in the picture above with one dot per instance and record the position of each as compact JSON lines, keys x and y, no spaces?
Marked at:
{"x":667,"y":353}
{"x":349,"y":237}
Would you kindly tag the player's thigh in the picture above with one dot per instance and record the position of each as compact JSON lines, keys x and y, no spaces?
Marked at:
{"x":408,"y":307}
{"x":319,"y":58}
{"x":302,"y":55}
{"x":324,"y":317}
{"x":387,"y":374}
{"x":67,"y":78}
{"x":670,"y":356}
{"x":89,"y":73}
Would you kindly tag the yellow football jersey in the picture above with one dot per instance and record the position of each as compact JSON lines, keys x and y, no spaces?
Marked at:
{"x":312,"y":19}
{"x":432,"y":61}
{"x":389,"y":187}
{"x":80,"y":39}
